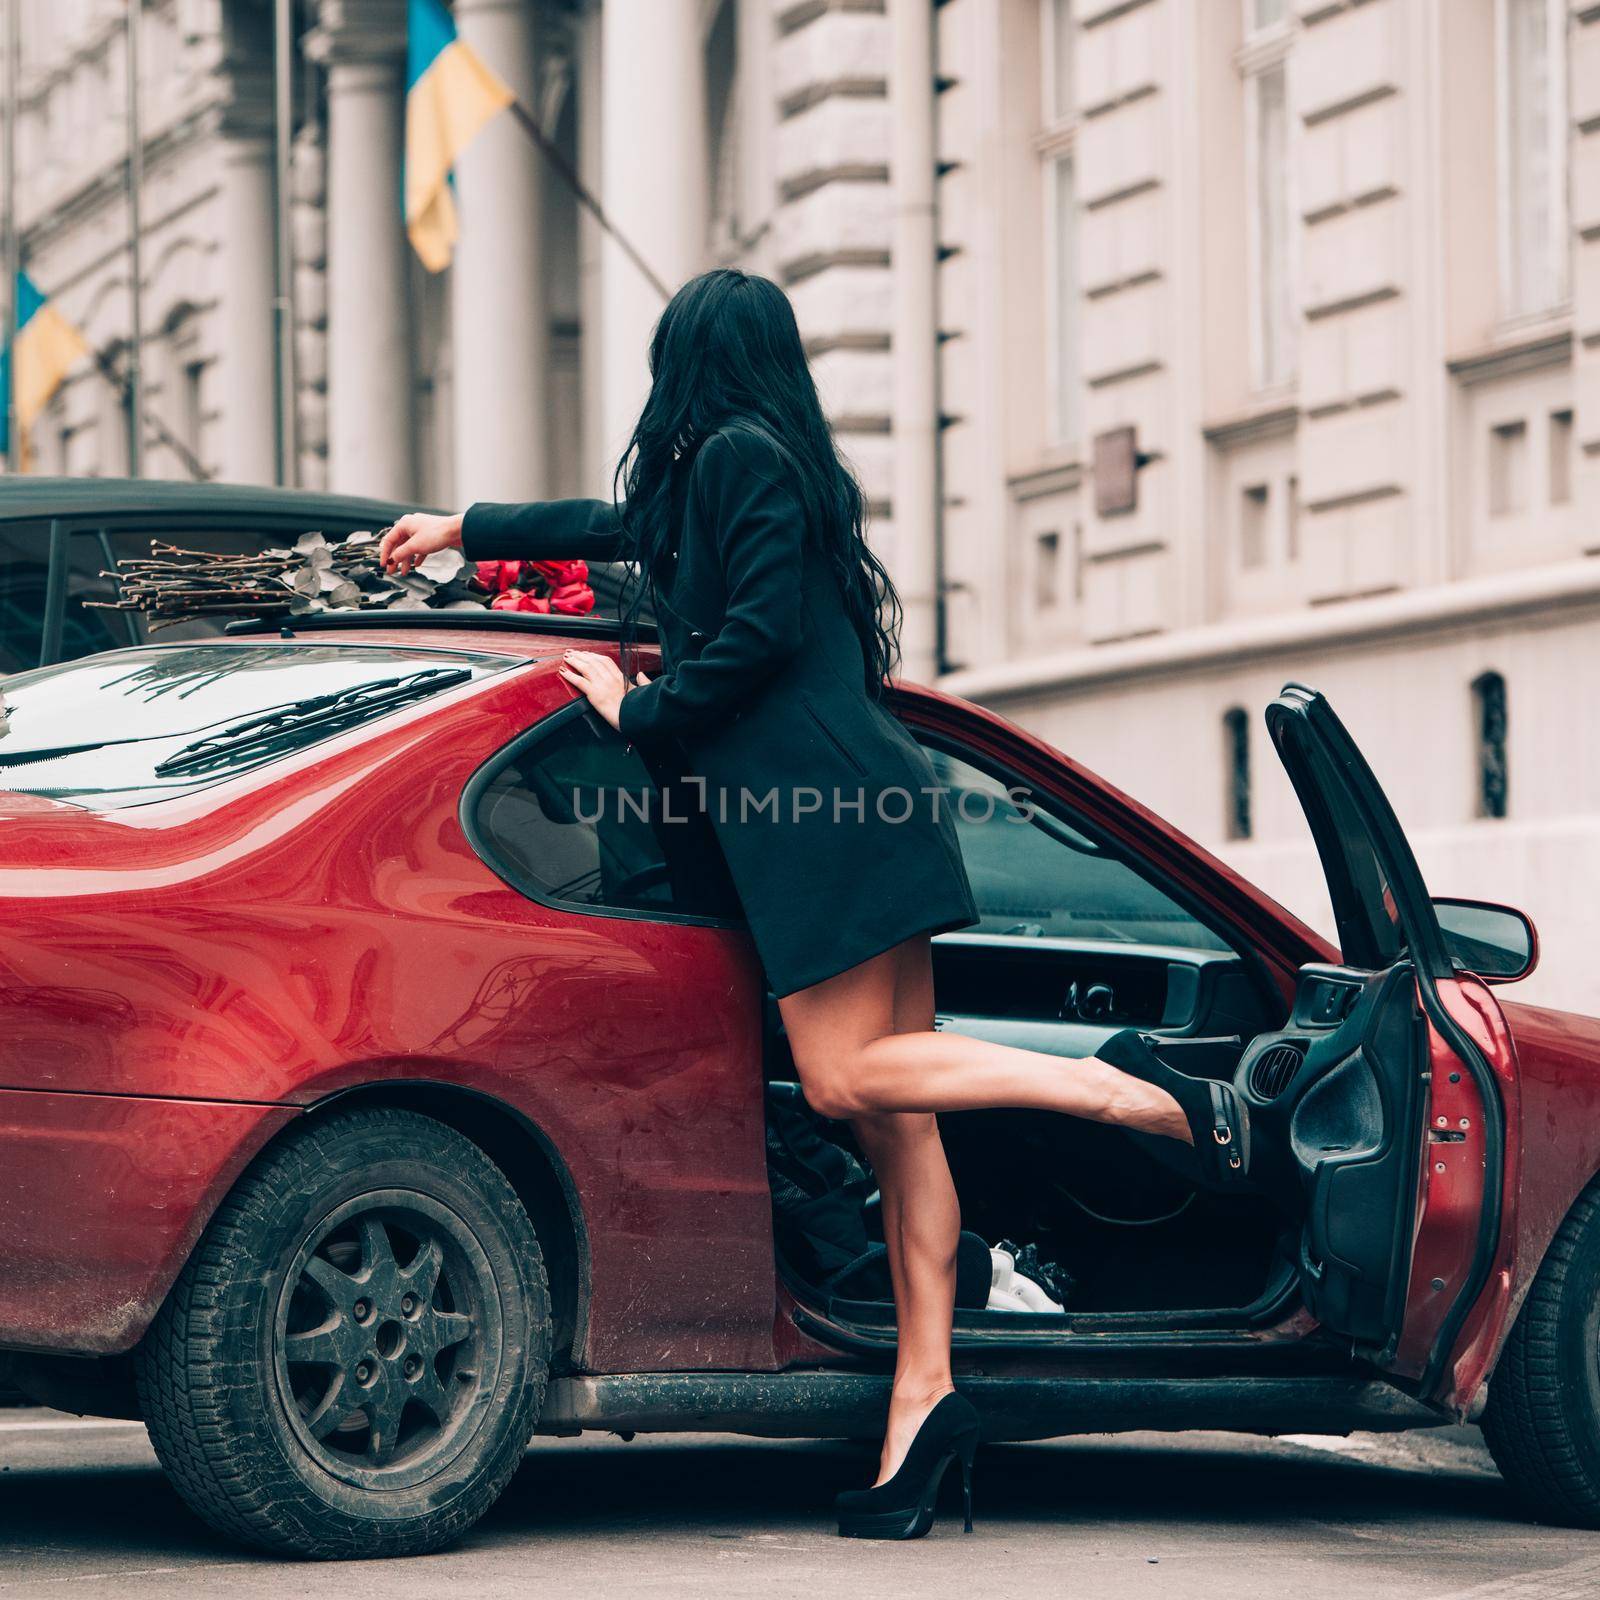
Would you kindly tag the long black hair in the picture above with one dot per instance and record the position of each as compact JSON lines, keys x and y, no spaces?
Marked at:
{"x":727,"y":348}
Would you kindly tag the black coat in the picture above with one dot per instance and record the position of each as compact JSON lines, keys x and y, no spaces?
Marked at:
{"x":823,"y":804}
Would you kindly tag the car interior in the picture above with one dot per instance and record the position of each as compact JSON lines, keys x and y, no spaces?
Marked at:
{"x":1074,"y":943}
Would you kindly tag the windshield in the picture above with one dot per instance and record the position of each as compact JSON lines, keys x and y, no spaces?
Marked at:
{"x":129,"y":726}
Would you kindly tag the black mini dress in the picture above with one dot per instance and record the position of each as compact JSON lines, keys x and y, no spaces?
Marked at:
{"x":839,"y":842}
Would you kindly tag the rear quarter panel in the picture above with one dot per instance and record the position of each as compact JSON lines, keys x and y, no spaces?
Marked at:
{"x":329,"y":927}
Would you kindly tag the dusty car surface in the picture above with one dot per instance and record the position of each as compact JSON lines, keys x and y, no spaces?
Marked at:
{"x":374,"y":1094}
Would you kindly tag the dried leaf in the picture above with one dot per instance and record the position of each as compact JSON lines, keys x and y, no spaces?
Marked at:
{"x":442,"y":565}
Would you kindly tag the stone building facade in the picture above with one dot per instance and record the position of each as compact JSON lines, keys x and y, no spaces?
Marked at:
{"x":1336,"y":264}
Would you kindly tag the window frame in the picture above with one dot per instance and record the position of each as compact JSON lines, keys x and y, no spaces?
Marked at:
{"x":1267,"y":49}
{"x":1511,"y":297}
{"x":473,"y":791}
{"x":1057,"y":142}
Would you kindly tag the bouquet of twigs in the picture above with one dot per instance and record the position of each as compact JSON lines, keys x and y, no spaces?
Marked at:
{"x":172,"y":584}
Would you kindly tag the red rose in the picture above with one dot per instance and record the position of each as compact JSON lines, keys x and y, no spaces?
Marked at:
{"x":498,"y":576}
{"x":573,"y":600}
{"x":561,"y":574}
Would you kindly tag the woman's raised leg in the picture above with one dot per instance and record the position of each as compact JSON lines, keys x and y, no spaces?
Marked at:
{"x":852,"y":1063}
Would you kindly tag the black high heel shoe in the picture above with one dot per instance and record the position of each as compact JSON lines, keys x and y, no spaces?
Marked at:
{"x":902,"y":1508}
{"x":1219,"y":1121}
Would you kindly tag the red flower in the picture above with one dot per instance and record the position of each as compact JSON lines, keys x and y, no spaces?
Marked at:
{"x":573,"y":600}
{"x":498,"y":576}
{"x":561,"y":574}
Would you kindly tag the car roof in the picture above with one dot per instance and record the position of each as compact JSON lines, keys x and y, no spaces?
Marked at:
{"x":35,"y":499}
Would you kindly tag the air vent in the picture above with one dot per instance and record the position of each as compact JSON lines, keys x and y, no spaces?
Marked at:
{"x":1274,"y":1069}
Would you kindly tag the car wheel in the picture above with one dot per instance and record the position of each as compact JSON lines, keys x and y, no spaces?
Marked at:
{"x":1542,"y":1422}
{"x":353,"y":1360}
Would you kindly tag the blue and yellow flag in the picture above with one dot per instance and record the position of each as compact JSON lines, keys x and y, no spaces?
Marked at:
{"x":450,"y":95}
{"x":47,"y":349}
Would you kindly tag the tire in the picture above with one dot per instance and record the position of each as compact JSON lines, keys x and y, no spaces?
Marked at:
{"x":1542,"y":1421}
{"x":354,"y":1358}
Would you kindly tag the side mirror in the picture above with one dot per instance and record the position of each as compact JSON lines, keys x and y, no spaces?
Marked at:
{"x":1497,"y":943}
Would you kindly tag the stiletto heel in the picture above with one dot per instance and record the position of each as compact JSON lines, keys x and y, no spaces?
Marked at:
{"x":903,"y":1507}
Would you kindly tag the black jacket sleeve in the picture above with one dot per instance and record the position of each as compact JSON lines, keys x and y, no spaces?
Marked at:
{"x":760,"y":532}
{"x":542,"y":530}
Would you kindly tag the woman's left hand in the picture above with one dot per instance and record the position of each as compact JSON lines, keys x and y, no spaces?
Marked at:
{"x":599,"y":680}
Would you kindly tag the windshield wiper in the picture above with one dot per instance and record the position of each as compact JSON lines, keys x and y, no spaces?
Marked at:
{"x":323,"y":714}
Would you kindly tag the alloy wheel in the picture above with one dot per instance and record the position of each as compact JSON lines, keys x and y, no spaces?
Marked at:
{"x":387,"y":1339}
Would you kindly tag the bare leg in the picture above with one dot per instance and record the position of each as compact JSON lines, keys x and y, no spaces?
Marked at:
{"x":865,"y":1049}
{"x":921,"y":1222}
{"x":853,"y":1064}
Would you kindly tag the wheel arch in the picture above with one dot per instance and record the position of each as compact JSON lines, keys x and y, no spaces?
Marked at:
{"x":533,"y":1167}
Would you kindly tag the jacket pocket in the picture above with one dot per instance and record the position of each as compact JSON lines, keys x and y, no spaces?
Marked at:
{"x":855,"y":762}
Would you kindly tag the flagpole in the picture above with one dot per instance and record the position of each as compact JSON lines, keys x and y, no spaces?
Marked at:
{"x":584,"y":196}
{"x":135,"y":266}
{"x":284,"y":381}
{"x":13,"y":238}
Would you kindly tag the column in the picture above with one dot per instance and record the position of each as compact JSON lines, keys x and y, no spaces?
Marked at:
{"x":246,"y":454}
{"x":915,"y":339}
{"x":500,"y":319}
{"x":362,"y":44}
{"x":654,"y":183}
{"x":596,"y":468}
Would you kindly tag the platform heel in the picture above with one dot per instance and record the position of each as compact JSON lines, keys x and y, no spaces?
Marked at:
{"x":903,"y":1508}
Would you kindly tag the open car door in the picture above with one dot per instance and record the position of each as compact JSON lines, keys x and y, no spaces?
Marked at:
{"x":1395,"y":1118}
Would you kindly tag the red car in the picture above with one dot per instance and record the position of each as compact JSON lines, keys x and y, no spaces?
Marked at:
{"x":376,"y":1094}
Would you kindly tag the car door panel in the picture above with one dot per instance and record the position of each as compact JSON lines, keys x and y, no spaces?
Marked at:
{"x":1434,"y":1068}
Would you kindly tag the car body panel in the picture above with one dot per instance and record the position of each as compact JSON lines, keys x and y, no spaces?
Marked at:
{"x":103,"y":1198}
{"x":259,"y":946}
{"x":216,"y":957}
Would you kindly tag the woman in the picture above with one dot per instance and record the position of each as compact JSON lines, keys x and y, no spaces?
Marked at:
{"x":778,"y":633}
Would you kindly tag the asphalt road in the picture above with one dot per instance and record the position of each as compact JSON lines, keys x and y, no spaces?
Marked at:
{"x":85,"y":1513}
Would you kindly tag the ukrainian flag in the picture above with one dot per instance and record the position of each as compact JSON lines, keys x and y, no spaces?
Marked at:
{"x":450,"y":95}
{"x":47,"y":348}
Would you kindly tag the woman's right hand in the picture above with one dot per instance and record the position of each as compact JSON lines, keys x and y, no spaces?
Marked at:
{"x":415,"y":536}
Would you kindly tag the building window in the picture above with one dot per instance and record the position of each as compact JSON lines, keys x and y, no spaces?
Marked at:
{"x":1534,"y":236}
{"x":1065,"y":299}
{"x":1489,"y":722}
{"x":1253,"y":526}
{"x":1271,"y":235}
{"x":1047,"y":571}
{"x":1062,"y":95}
{"x":1508,"y":468}
{"x":1560,"y":458}
{"x":1057,"y":144}
{"x":1236,"y":757}
{"x":722,"y":122}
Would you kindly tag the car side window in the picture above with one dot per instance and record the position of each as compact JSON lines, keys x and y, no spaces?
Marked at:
{"x":1034,"y":875}
{"x":571,"y":815}
{"x":24,"y":565}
